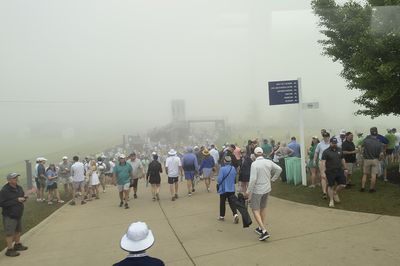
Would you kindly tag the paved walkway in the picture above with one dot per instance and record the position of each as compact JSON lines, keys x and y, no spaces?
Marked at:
{"x":188,"y":233}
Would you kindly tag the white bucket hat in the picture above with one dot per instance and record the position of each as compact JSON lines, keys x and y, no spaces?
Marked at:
{"x":172,"y":152}
{"x":138,"y":238}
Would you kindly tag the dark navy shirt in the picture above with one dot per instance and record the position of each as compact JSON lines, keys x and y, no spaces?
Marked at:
{"x":333,"y":160}
{"x":349,"y":146}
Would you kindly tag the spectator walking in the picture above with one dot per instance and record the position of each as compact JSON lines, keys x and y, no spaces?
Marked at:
{"x":173,"y":167}
{"x":12,"y":199}
{"x":349,"y":153}
{"x":137,"y":172}
{"x":122,"y":174}
{"x":333,"y":166}
{"x":372,"y":152}
{"x":215,"y":154}
{"x":321,"y":147}
{"x":190,"y":167}
{"x":101,"y":168}
{"x":206,"y":168}
{"x":153,"y":176}
{"x":226,"y":189}
{"x":262,"y":172}
{"x":244,"y":172}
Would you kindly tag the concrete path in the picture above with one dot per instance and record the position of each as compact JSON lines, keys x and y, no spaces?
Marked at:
{"x":187,"y":233}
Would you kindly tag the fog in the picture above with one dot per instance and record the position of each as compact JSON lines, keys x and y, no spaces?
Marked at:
{"x":114,"y":66}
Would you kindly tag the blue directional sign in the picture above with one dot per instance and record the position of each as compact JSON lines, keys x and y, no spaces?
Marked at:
{"x":283,"y":92}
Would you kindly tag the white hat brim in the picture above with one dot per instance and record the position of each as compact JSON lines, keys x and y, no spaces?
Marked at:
{"x":133,"y":246}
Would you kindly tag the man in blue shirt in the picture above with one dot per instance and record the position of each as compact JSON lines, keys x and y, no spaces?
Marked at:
{"x":293,"y":145}
{"x":190,"y":167}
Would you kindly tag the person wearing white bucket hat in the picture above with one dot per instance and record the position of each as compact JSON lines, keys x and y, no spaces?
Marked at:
{"x":136,"y":241}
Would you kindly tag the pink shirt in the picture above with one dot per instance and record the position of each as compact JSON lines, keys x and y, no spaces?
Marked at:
{"x":237,"y":153}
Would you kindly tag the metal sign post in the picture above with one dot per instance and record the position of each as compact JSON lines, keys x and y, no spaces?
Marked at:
{"x":289,"y":92}
{"x":302,"y":138}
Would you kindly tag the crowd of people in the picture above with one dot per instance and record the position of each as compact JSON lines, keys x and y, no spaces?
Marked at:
{"x":81,"y":179}
{"x":247,"y":171}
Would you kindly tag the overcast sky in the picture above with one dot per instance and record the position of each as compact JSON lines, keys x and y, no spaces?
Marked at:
{"x":120,"y":63}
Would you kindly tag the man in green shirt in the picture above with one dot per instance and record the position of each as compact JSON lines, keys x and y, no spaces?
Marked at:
{"x":267,"y":148}
{"x":391,"y":137}
{"x":123,"y":173}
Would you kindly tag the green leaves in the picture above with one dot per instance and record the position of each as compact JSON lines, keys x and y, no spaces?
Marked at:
{"x":365,"y":39}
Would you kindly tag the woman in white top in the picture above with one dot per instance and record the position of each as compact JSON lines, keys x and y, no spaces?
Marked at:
{"x":93,"y":180}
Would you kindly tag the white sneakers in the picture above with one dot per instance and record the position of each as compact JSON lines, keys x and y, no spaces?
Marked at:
{"x":236,"y":219}
{"x":336,"y":198}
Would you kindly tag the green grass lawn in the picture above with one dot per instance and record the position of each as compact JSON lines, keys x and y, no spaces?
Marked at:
{"x":385,"y":201}
{"x":36,"y":212}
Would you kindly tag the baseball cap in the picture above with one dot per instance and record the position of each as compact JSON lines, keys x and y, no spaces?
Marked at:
{"x":122,"y":156}
{"x":333,"y":140}
{"x":227,"y":159}
{"x":258,"y":150}
{"x":373,"y":131}
{"x":65,"y":158}
{"x":12,"y":176}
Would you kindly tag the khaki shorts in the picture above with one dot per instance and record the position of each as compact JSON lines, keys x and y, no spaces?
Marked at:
{"x":350,"y":168}
{"x":65,"y":180}
{"x":258,"y":201}
{"x":371,"y":166}
{"x":41,"y":183}
{"x":11,"y":226}
{"x":123,"y":187}
{"x":79,"y":185}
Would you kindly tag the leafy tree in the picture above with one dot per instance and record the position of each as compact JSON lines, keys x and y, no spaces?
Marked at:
{"x":365,"y":38}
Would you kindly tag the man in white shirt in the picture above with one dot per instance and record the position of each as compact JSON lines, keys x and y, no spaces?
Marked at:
{"x":397,"y":145}
{"x":173,"y":167}
{"x":78,"y":180}
{"x":321,"y":147}
{"x":215,"y":154}
{"x":262,"y":172}
{"x":137,"y":172}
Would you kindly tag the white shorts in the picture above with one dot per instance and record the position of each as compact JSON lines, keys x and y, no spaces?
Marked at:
{"x":123,"y":187}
